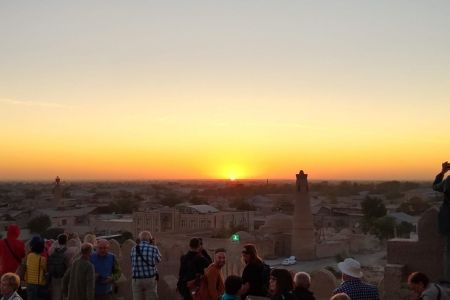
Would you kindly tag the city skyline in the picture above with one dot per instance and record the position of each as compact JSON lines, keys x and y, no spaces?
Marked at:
{"x":214,"y":90}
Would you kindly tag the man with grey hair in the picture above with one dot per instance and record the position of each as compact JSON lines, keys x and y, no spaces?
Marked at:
{"x":107,"y":270}
{"x":302,"y":282}
{"x":79,"y":280}
{"x":443,"y":186}
{"x":144,"y":257}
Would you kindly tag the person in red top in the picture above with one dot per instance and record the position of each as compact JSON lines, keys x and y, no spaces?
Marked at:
{"x":12,"y":251}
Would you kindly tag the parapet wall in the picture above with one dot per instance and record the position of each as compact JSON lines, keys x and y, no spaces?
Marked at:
{"x":406,"y":255}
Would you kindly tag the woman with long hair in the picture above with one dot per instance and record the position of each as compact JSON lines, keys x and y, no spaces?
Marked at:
{"x":252,"y":276}
{"x":281,"y":285}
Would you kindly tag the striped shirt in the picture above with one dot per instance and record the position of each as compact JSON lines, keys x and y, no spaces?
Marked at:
{"x":144,"y":258}
{"x":36,"y":267}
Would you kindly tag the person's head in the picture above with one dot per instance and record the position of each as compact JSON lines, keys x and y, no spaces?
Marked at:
{"x":201,"y":242}
{"x":145,"y":236}
{"x":233,"y":284}
{"x":250,"y":254}
{"x":90,"y":238}
{"x":220,"y":257}
{"x":351,"y":269}
{"x":302,"y":280}
{"x":62,"y":239}
{"x":37,"y":245}
{"x":13,"y":231}
{"x":280,"y":281}
{"x":340,"y":296}
{"x":102,"y":247}
{"x":10,"y":282}
{"x":86,"y":250}
{"x":194,"y":244}
{"x":418,"y":282}
{"x":72,"y":235}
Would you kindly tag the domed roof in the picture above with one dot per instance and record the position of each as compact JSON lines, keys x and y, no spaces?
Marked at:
{"x":278,"y":223}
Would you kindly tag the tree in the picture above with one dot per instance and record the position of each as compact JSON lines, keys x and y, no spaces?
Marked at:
{"x":404,"y":229}
{"x":284,"y":205}
{"x":171,"y":200}
{"x":384,"y":228}
{"x":241,"y":204}
{"x":196,"y":200}
{"x":52,"y":233}
{"x":123,"y":206}
{"x":373,"y":209}
{"x":414,"y":206}
{"x":39,"y":224}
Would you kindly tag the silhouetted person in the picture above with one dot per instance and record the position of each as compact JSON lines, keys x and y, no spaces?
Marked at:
{"x":233,"y":285}
{"x":340,"y":296}
{"x":214,"y":275}
{"x":107,"y":270}
{"x":144,"y":258}
{"x":79,"y":280}
{"x":252,"y":275}
{"x":57,"y":264}
{"x":281,"y":285}
{"x":12,"y":251}
{"x":352,"y":284}
{"x":192,"y":265}
{"x":36,"y":268}
{"x":302,"y":282}
{"x":10,"y":283}
{"x":443,"y":186}
{"x":424,"y":289}
{"x":204,"y":252}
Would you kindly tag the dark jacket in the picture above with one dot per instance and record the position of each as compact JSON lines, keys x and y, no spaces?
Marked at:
{"x":192,"y":264}
{"x":443,"y":186}
{"x":253,"y":274}
{"x":303,"y":294}
{"x":284,"y":296}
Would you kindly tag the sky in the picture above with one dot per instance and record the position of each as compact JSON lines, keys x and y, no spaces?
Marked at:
{"x":353,"y":90}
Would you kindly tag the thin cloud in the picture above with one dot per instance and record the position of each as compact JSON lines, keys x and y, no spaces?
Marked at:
{"x":34,"y":103}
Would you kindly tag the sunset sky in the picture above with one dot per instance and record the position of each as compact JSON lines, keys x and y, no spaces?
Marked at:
{"x":224,"y":89}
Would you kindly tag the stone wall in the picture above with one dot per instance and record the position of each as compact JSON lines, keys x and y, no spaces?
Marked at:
{"x":172,"y":247}
{"x":407,"y":255}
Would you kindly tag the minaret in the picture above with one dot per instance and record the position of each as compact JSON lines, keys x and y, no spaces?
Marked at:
{"x":57,"y":192}
{"x":303,"y":244}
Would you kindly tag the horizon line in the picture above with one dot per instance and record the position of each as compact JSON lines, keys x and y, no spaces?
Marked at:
{"x":207,"y":179}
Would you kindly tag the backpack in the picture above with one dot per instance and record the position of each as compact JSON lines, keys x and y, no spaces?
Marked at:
{"x":265,"y":277}
{"x":56,"y":264}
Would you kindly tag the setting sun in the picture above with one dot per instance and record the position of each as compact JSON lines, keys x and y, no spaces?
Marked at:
{"x":233,"y":172}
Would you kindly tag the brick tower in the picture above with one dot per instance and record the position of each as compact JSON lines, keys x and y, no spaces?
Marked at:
{"x":303,"y":244}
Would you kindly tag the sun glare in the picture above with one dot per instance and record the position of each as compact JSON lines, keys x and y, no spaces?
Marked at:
{"x":232,"y":172}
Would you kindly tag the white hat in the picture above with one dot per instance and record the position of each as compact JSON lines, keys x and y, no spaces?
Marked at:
{"x":350,"y":267}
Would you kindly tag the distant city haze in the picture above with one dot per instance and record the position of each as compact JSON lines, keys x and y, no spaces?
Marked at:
{"x":115,"y":90}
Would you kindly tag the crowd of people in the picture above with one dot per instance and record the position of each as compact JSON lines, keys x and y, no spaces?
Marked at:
{"x":70,"y":269}
{"x":201,"y":278}
{"x":62,"y":269}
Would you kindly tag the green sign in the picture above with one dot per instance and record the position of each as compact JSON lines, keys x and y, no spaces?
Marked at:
{"x":235,"y":238}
